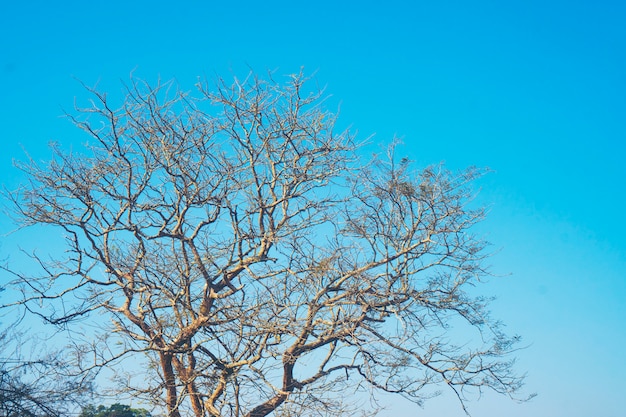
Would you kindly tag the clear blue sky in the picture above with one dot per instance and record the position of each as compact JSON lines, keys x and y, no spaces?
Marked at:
{"x":535,"y":90}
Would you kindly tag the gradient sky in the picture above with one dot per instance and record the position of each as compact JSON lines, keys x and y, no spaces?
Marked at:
{"x":535,"y":90}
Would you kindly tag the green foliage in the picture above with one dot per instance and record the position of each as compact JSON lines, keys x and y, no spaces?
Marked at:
{"x":115,"y":410}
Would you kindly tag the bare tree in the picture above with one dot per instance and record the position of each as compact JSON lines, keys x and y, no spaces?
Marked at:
{"x":237,"y":242}
{"x":33,"y":380}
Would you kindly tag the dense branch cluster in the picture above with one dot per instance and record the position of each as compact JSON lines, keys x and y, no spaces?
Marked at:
{"x":237,"y":242}
{"x":37,"y":386}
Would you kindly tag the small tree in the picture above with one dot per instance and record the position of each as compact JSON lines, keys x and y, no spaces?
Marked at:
{"x":36,"y":383}
{"x":114,"y":410}
{"x":237,"y":242}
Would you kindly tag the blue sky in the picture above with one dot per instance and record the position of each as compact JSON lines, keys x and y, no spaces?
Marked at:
{"x":535,"y":90}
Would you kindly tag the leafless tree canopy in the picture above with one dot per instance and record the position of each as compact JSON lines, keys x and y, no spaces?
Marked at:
{"x":35,"y":383}
{"x":238,"y":243}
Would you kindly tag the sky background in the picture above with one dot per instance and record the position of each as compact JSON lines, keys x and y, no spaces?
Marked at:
{"x":534,"y":90}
